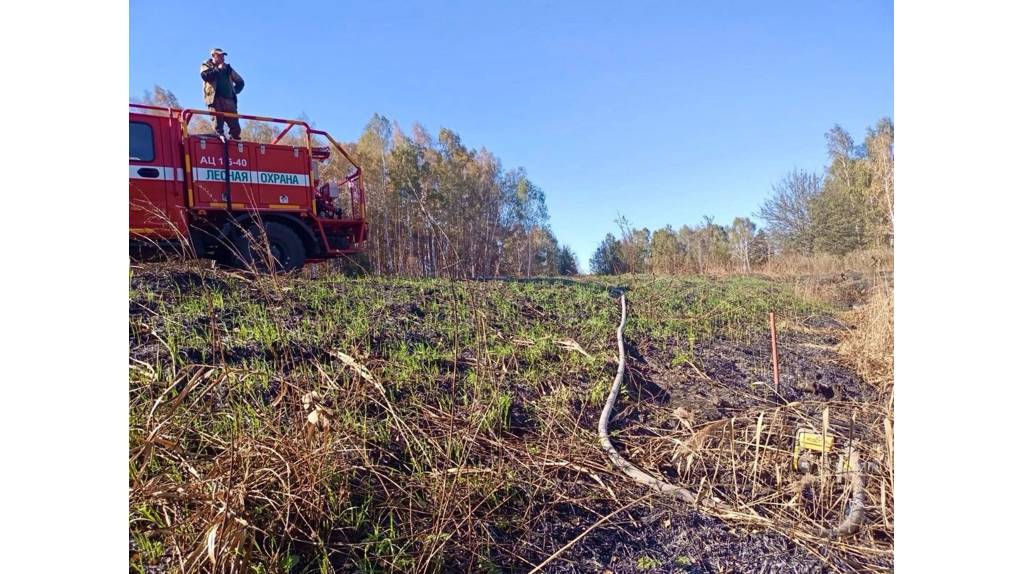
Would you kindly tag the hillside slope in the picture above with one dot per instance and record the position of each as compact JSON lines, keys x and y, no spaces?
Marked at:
{"x":386,"y":425}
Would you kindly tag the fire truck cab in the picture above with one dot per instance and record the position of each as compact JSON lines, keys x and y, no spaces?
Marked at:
{"x":261,"y":205}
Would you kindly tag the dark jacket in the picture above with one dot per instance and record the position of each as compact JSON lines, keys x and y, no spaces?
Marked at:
{"x":210,"y":74}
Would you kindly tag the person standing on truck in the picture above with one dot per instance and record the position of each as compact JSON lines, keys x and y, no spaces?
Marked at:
{"x":221,"y":86}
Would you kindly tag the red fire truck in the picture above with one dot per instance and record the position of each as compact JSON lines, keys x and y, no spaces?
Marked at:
{"x":269,"y":210}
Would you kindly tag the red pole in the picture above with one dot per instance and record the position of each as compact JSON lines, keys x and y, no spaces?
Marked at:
{"x":775,"y":352}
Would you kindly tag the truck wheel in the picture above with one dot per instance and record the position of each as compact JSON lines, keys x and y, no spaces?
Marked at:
{"x":286,"y":248}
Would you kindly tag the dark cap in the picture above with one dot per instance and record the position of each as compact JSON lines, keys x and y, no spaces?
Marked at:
{"x":218,"y":51}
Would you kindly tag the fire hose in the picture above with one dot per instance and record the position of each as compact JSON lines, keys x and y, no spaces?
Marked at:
{"x":850,"y":524}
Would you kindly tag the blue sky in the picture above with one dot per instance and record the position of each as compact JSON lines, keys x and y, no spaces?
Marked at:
{"x":662,"y":111}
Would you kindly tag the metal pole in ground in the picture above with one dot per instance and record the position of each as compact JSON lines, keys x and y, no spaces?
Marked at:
{"x":775,"y":352}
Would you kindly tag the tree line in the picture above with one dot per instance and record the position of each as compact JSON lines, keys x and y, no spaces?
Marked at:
{"x":435,"y":206}
{"x":848,"y":208}
{"x":442,"y":208}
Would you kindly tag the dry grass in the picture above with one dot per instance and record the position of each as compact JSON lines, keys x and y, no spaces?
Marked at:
{"x":866,"y":261}
{"x":293,"y":425}
{"x":869,"y":346}
{"x":329,"y":424}
{"x":745,"y":463}
{"x":841,"y":281}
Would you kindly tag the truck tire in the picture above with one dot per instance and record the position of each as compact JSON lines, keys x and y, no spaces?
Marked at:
{"x":286,"y":248}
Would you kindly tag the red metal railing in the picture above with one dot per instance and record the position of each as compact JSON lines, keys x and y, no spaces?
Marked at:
{"x":186,"y":117}
{"x":170,"y":111}
{"x":356,"y":193}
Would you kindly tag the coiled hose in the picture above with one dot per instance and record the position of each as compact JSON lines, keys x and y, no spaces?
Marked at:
{"x":850,"y":524}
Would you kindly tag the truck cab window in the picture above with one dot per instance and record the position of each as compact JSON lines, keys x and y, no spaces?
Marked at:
{"x":140,"y":141}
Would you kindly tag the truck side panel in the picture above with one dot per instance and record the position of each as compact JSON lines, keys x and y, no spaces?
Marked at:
{"x":208,"y":176}
{"x":263,"y":176}
{"x":283,"y":177}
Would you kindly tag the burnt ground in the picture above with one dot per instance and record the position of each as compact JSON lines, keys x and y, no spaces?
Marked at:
{"x":666,"y":539}
{"x":810,"y":370}
{"x":671,"y":540}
